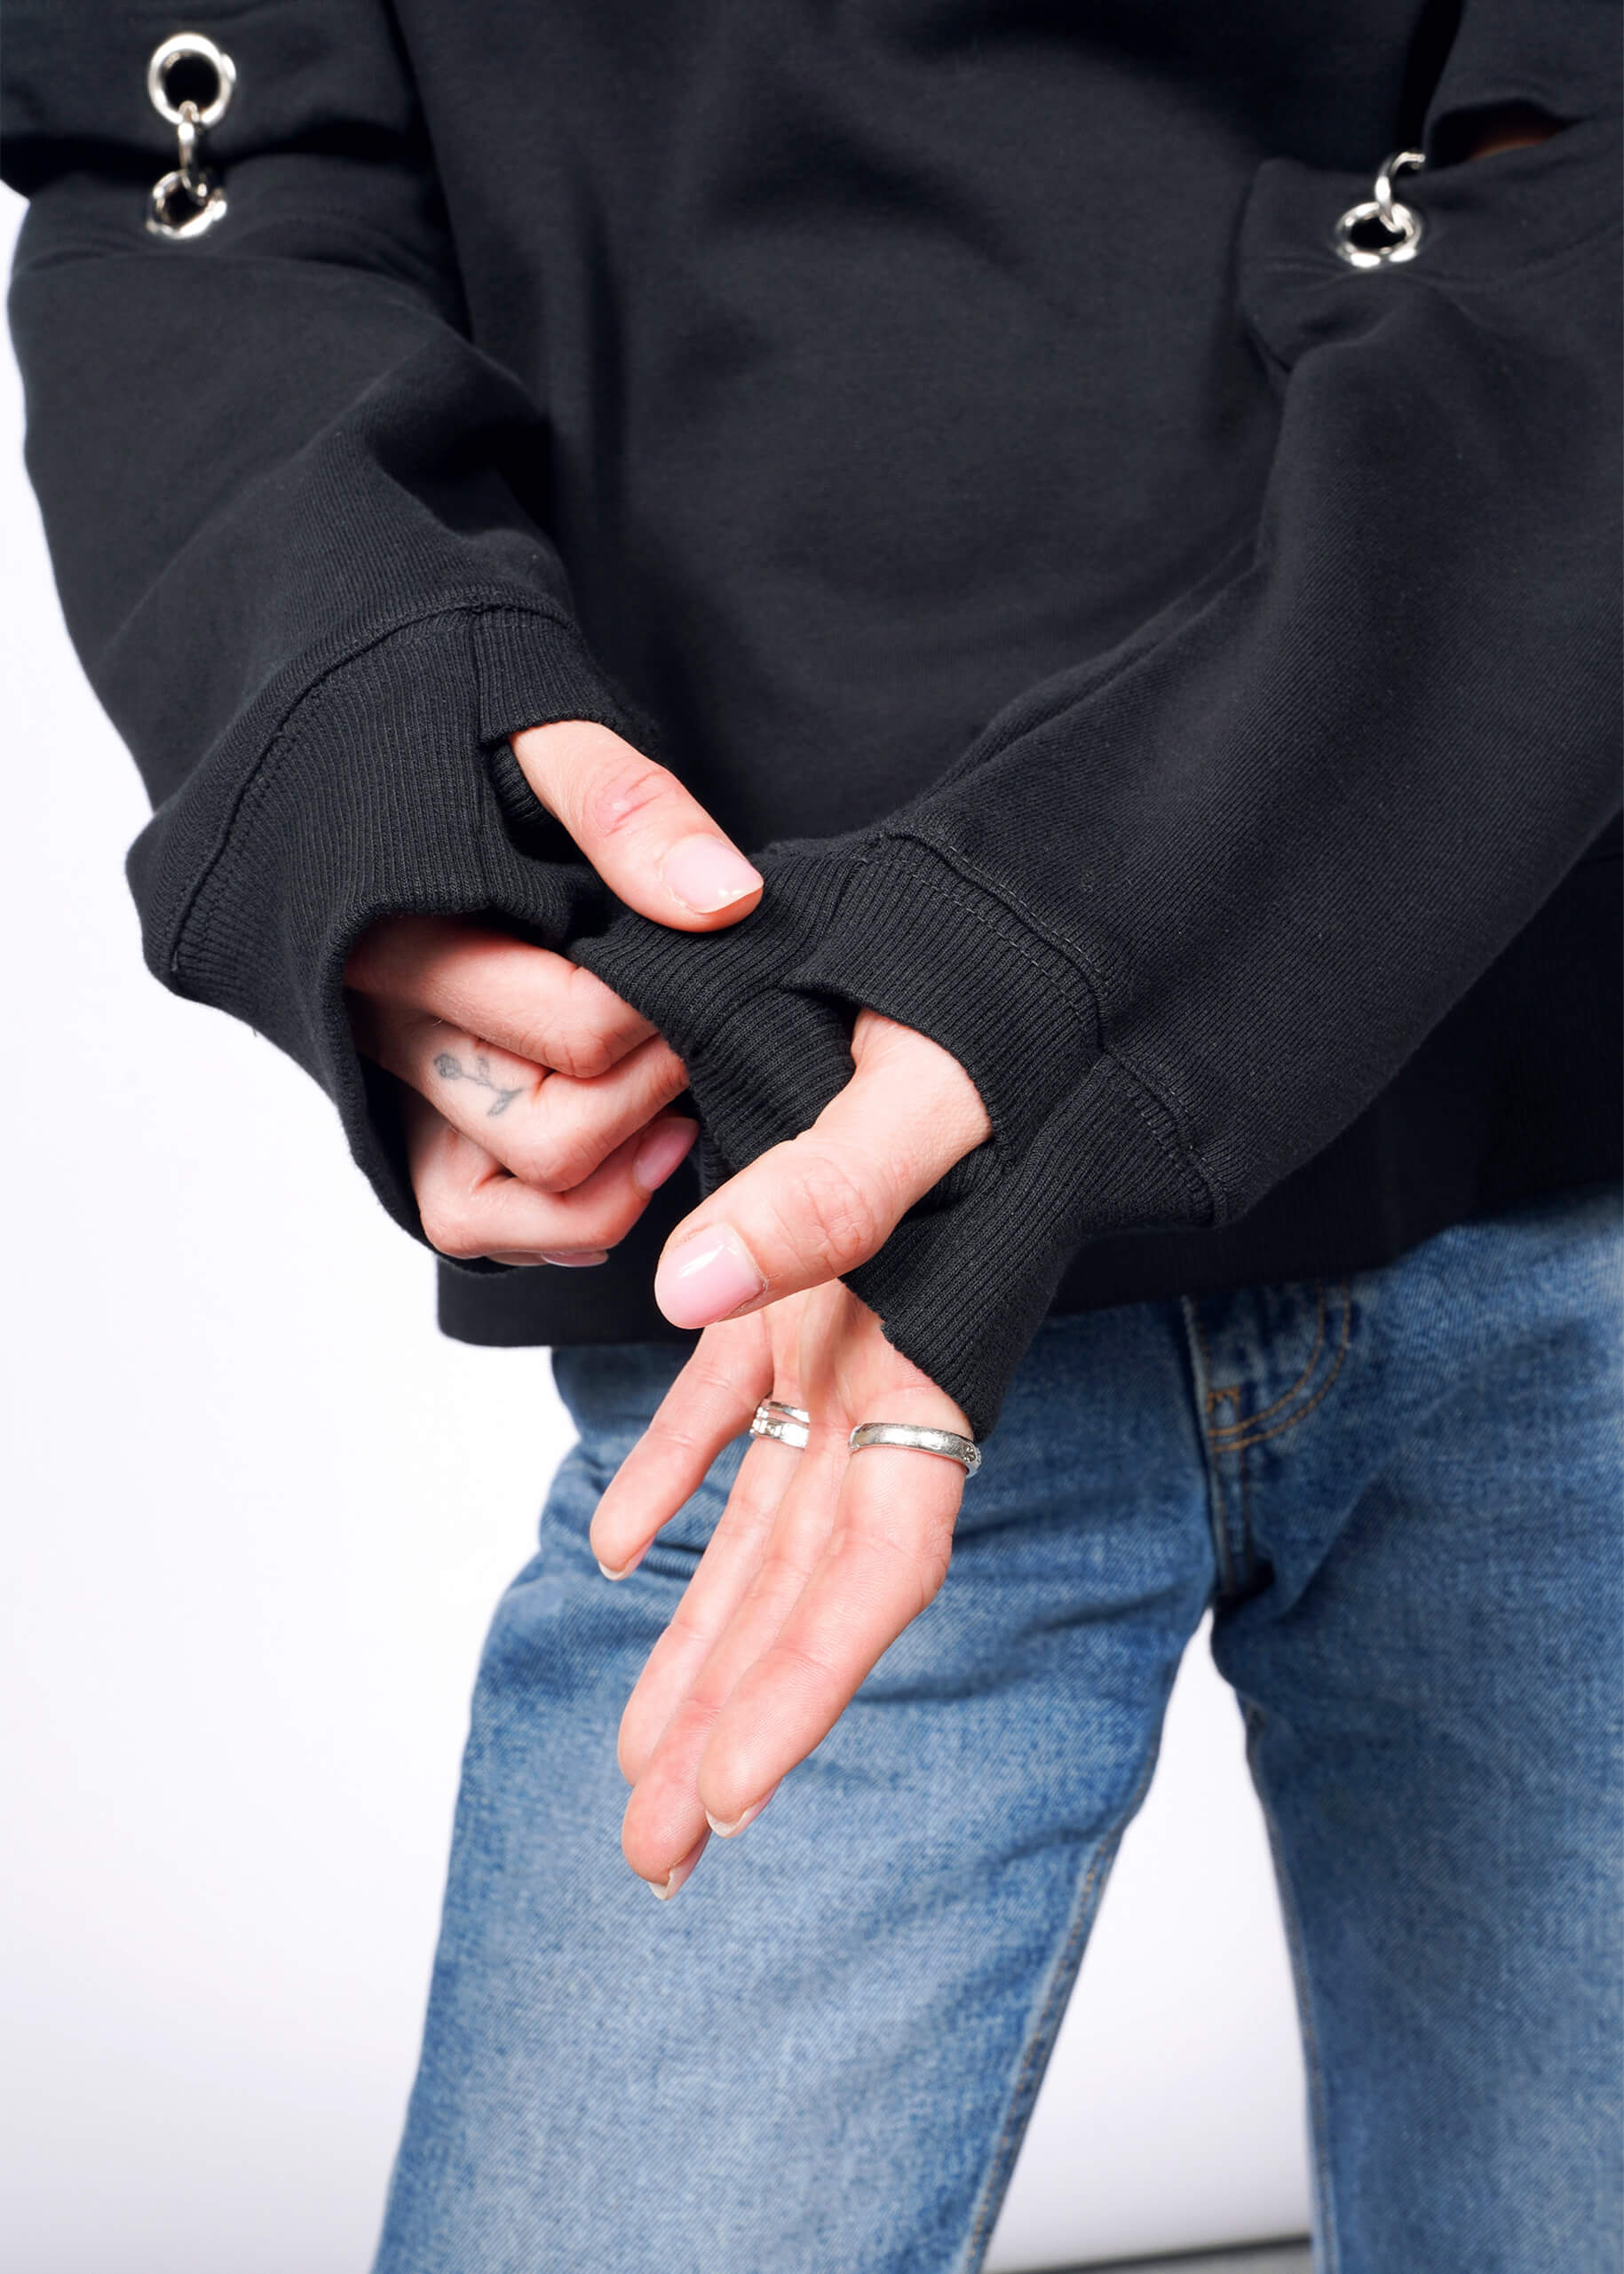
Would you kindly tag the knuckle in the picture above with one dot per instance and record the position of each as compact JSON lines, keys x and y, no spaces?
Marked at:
{"x":579,"y":1054}
{"x":793,"y":1657}
{"x":553,"y":1044}
{"x":606,"y":1223}
{"x":673,"y":1438}
{"x":621,"y":792}
{"x":832,"y":1208}
{"x":581,"y":1042}
{"x":710,"y":1378}
{"x":447,"y":1225}
{"x":533,"y":1039}
{"x":567,"y":1144}
{"x":556,"y":1160}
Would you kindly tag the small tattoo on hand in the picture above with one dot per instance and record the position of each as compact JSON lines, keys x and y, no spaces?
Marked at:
{"x":449,"y":1067}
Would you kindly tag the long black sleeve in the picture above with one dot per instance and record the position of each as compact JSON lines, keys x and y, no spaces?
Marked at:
{"x":865,"y":378}
{"x":296,"y":517}
{"x":1183,"y":914}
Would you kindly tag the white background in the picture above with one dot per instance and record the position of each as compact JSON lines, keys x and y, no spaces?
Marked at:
{"x":257,"y":1513}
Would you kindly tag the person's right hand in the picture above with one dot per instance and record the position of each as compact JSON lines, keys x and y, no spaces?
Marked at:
{"x":534,"y":1096}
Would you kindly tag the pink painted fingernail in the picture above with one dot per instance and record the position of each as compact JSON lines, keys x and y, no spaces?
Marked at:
{"x":663,"y":1153}
{"x":579,"y":1259}
{"x":731,"y":1831}
{"x":706,"y":874}
{"x":707,"y":1278}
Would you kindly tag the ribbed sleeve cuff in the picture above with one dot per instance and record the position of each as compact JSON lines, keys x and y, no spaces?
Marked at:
{"x":764,"y":1054}
{"x":763,"y":1013}
{"x":966,"y":1279}
{"x":372,"y":796}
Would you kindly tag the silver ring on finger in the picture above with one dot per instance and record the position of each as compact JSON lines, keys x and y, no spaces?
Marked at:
{"x":789,"y":1425}
{"x":913,"y":1439}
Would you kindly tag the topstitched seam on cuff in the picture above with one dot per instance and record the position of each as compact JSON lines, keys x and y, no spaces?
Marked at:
{"x":773,"y":974}
{"x":1157,"y":1120}
{"x":1154,"y":1111}
{"x":1066,"y":982}
{"x":290,"y":730}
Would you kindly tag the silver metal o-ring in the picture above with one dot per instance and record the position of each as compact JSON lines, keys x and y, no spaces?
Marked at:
{"x":1402,"y":225}
{"x":195,"y":46}
{"x":206,"y":198}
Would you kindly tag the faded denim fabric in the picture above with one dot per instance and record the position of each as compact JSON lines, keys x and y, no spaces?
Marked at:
{"x":1401,"y":1495}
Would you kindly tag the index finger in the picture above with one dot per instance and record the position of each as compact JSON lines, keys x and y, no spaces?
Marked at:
{"x":525,"y":999}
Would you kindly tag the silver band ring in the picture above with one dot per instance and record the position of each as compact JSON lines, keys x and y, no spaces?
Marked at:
{"x":912,"y":1439}
{"x":787,"y":1424}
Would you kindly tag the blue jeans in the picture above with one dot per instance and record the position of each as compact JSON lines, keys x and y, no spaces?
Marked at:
{"x":1399,"y":1493}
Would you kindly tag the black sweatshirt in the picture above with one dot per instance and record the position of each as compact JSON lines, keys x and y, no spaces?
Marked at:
{"x":1173,"y":668}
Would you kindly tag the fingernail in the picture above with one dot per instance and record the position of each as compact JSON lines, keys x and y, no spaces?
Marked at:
{"x":580,"y":1259}
{"x":663,"y":1153}
{"x":731,"y":1831}
{"x":706,"y":874}
{"x":678,"y":1876}
{"x":625,"y":1571}
{"x":707,"y":1278}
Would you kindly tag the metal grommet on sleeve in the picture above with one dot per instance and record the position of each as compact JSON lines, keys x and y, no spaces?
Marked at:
{"x":786,"y":1425}
{"x":190,"y":82}
{"x":1399,"y":228}
{"x":910,"y":1437}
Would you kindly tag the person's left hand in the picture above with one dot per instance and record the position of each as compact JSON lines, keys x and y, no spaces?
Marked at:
{"x":819,"y":1560}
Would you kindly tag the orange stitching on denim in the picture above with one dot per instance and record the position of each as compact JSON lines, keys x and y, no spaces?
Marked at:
{"x":1213,"y":1397}
{"x":1250,"y":1421}
{"x":1239,"y":1444}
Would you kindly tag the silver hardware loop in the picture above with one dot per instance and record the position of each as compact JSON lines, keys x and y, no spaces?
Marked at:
{"x":184,"y":47}
{"x":910,"y":1437}
{"x":207,"y":200}
{"x":189,"y":135}
{"x":191,"y":189}
{"x":787,"y":1424}
{"x":1404,"y":226}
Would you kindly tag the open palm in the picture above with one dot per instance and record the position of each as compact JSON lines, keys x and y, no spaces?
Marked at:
{"x":819,"y":1562}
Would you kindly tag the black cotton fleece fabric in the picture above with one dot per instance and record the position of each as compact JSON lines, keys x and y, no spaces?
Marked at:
{"x":1175,"y":670}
